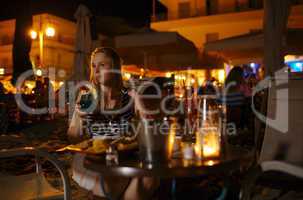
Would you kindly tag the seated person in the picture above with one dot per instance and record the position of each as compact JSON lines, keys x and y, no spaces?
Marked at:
{"x":109,"y":94}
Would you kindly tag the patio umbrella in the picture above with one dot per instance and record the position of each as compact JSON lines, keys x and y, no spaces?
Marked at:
{"x":22,"y":42}
{"x":83,"y":44}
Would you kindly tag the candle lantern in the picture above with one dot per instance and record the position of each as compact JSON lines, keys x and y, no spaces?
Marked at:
{"x":209,"y":137}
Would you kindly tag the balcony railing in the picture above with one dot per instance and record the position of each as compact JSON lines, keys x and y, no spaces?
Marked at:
{"x":197,"y":13}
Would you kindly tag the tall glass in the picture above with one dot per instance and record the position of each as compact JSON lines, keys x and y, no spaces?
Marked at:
{"x":209,"y":132}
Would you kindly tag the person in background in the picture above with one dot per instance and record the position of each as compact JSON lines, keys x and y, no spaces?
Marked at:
{"x":234,"y":97}
{"x":47,"y":90}
{"x":208,"y":88}
{"x":2,"y":93}
{"x":3,"y":110}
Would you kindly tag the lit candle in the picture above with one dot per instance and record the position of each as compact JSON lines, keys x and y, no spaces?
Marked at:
{"x":211,"y":144}
{"x":188,"y":151}
{"x":207,"y":143}
{"x":171,"y":139}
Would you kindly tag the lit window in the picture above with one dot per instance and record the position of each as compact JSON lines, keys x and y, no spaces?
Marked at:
{"x":2,"y":71}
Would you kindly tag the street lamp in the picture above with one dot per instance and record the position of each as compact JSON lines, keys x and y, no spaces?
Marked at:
{"x":33,"y":34}
{"x":49,"y":31}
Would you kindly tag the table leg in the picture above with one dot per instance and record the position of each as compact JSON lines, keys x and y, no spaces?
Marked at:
{"x":173,"y":188}
{"x":107,"y":195}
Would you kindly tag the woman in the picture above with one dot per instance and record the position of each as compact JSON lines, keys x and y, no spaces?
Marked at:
{"x":236,"y":93}
{"x":109,"y":94}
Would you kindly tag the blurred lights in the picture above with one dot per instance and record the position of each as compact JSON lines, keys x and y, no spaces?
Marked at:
{"x":2,"y":71}
{"x":39,"y":72}
{"x":50,"y":31}
{"x":201,"y":80}
{"x":168,"y":75}
{"x":127,"y":75}
{"x":298,"y":64}
{"x":252,"y":65}
{"x":221,"y":76}
{"x":33,"y":34}
{"x":30,"y":84}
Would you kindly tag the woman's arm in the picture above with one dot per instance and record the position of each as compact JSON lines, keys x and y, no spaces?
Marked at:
{"x":75,"y":132}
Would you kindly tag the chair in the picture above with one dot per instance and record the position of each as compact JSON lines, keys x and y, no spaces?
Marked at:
{"x":34,"y":185}
{"x":280,"y":164}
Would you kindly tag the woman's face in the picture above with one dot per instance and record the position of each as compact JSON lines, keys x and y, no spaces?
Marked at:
{"x":102,"y":66}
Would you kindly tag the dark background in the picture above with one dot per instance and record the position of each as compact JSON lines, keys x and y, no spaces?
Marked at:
{"x":135,"y":12}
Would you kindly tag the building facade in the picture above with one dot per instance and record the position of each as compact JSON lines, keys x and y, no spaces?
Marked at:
{"x":55,"y":49}
{"x":204,"y":21}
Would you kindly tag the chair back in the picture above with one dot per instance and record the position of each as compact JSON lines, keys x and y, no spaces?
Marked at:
{"x":283,"y":139}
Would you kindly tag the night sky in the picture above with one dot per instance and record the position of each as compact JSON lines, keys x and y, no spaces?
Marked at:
{"x":135,"y":12}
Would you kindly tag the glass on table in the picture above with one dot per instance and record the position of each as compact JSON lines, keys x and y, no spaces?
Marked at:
{"x":209,"y":132}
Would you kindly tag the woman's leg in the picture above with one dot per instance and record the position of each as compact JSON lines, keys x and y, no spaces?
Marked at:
{"x":89,"y":180}
{"x":141,"y":188}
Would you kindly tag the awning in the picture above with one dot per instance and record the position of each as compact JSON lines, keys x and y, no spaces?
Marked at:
{"x":154,"y":43}
{"x":162,"y":51}
{"x":251,"y":46}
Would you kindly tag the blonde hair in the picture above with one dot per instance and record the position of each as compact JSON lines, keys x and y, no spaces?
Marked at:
{"x":116,"y":64}
{"x":116,"y":83}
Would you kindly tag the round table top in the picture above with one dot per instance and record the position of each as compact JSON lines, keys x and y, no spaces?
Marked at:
{"x":130,"y":165}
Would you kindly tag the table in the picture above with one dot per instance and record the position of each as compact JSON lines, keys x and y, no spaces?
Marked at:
{"x":233,"y":159}
{"x":130,"y":166}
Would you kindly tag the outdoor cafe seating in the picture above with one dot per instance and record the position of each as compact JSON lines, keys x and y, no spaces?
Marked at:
{"x":31,"y":185}
{"x":280,"y":161}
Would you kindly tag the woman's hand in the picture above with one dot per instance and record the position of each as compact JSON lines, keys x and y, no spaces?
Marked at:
{"x":79,"y":112}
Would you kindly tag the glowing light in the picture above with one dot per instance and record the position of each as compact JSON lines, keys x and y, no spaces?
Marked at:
{"x":295,"y":66}
{"x":298,"y":64}
{"x":50,"y":31}
{"x":2,"y":71}
{"x":221,"y":76}
{"x":210,"y":163}
{"x":201,"y":80}
{"x":8,"y":86}
{"x":33,"y":34}
{"x":192,"y":81}
{"x":211,"y":144}
{"x":127,"y":75}
{"x":30,"y":84}
{"x":252,"y":65}
{"x":39,"y":72}
{"x":168,"y":75}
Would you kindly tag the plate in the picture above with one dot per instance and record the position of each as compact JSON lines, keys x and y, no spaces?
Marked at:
{"x":99,"y":146}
